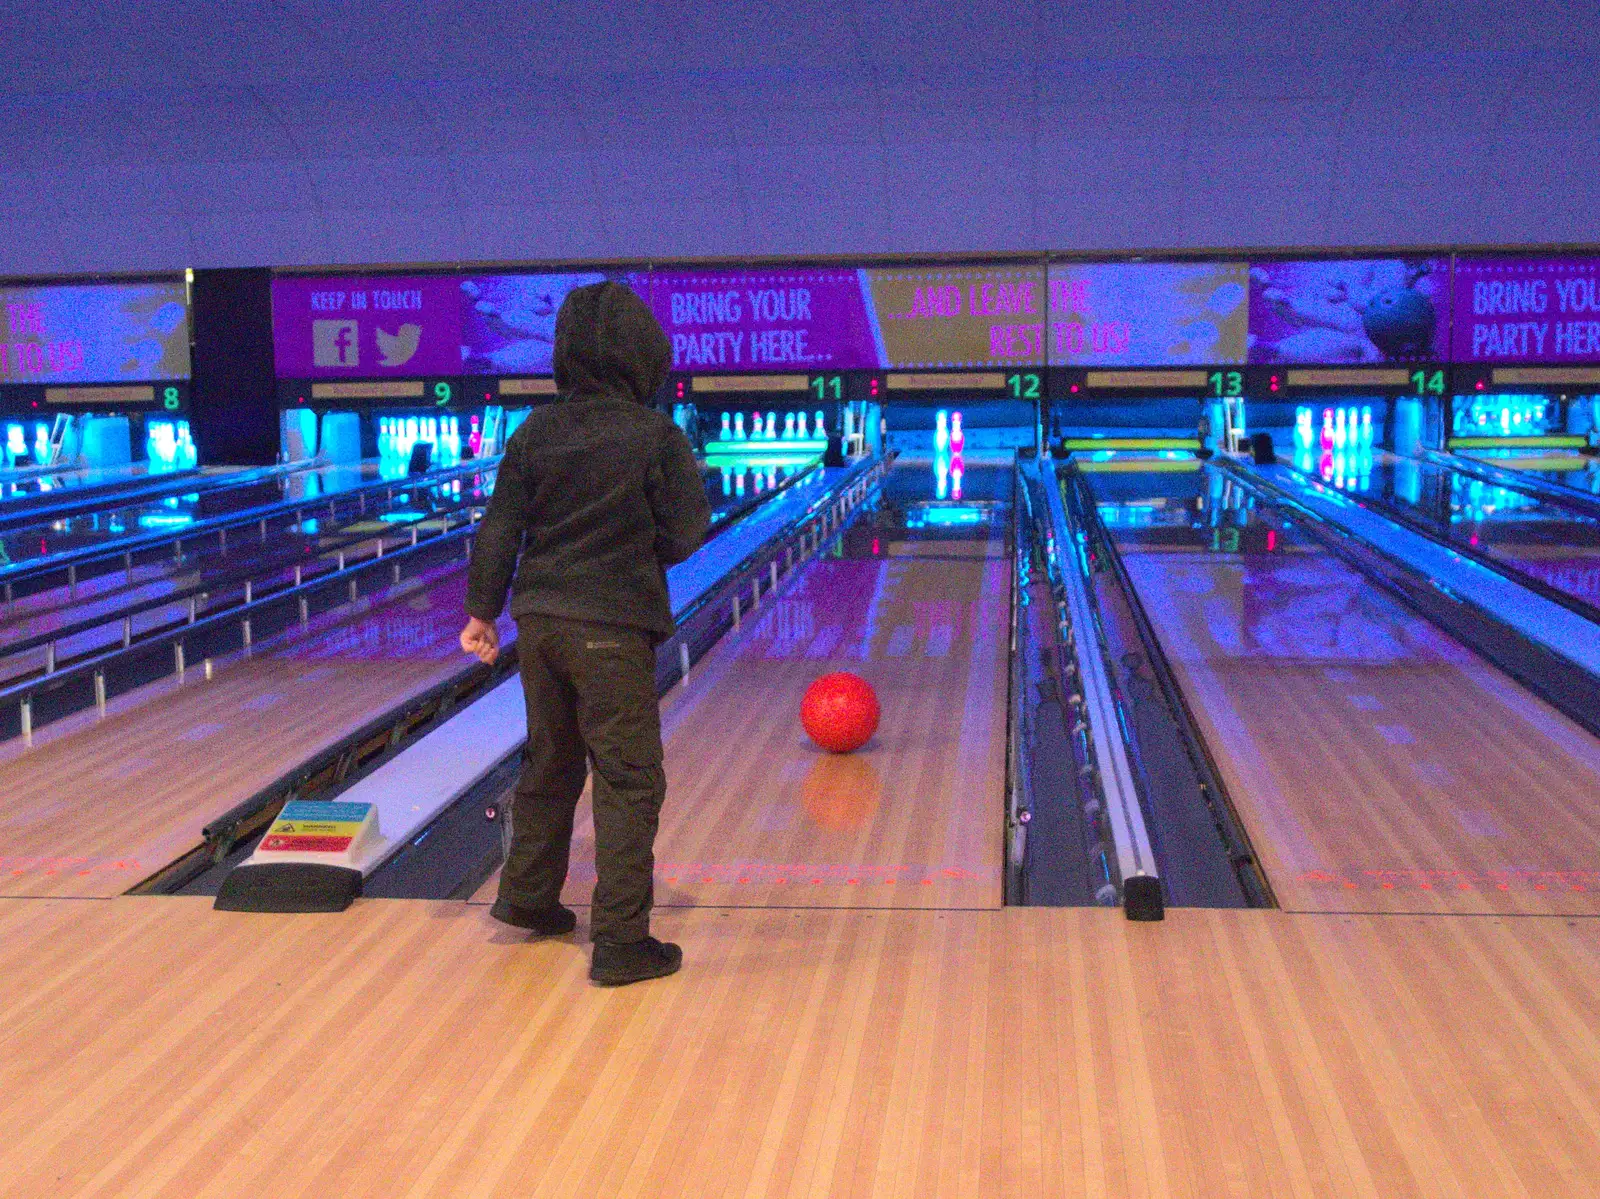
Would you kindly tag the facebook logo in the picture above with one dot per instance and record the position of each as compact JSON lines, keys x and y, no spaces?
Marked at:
{"x":335,"y":343}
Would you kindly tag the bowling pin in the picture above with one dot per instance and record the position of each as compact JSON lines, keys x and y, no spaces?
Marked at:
{"x":738,"y":426}
{"x":1340,"y":435}
{"x":727,"y":427}
{"x":1366,"y":426}
{"x":738,"y":483}
{"x":941,"y":476}
{"x":788,"y":426}
{"x":727,"y":480}
{"x":958,"y":438}
{"x":800,"y":427}
{"x":821,"y":426}
{"x":772,"y":426}
{"x":957,"y":469}
{"x":941,"y":430}
{"x":1327,"y":429}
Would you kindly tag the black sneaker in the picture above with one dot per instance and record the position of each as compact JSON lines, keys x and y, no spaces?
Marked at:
{"x":551,"y":922}
{"x":617,"y":965}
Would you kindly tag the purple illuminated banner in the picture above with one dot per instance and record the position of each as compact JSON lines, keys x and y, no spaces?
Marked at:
{"x":769,"y":320}
{"x":509,"y":321}
{"x":1147,"y":313}
{"x":94,"y":333}
{"x":1350,"y":310}
{"x":372,"y":326}
{"x":1527,"y":310}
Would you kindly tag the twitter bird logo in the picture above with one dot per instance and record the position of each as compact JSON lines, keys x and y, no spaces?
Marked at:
{"x":397,"y":349}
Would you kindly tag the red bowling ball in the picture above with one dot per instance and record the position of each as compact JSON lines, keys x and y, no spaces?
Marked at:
{"x":840,"y":712}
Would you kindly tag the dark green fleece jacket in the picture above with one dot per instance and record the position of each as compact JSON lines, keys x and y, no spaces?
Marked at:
{"x":598,"y":492}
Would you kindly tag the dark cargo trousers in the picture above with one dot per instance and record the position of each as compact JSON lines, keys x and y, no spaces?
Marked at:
{"x":591,"y":695}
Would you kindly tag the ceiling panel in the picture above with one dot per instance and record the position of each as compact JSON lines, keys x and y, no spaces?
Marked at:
{"x":246,"y":131}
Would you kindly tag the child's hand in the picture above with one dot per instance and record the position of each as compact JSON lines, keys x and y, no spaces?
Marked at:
{"x":481,"y":638}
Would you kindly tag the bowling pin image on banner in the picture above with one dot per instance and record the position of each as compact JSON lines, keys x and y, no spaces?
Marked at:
{"x":958,"y":438}
{"x":941,"y":430}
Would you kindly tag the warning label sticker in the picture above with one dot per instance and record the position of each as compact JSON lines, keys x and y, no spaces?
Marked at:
{"x":304,"y":844}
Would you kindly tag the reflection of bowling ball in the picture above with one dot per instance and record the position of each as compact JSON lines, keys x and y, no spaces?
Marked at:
{"x":1400,"y":321}
{"x":841,"y":793}
{"x":840,"y":712}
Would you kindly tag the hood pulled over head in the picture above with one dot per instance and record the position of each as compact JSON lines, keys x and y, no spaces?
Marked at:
{"x":608,"y":342}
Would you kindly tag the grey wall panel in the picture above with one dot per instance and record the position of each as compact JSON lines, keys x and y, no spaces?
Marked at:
{"x":156,"y":134}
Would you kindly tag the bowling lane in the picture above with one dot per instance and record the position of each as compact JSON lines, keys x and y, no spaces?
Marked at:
{"x":1564,"y":468}
{"x":734,"y":482}
{"x":271,"y":563}
{"x":27,"y":484}
{"x":97,"y":806}
{"x":28,"y":541}
{"x":1377,"y":764}
{"x":916,"y":599}
{"x":1541,"y":539}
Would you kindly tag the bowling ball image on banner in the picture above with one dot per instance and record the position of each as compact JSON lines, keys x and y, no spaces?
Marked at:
{"x":840,"y":712}
{"x":1401,"y":322}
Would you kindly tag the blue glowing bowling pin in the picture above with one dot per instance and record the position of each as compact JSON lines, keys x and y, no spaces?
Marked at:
{"x":738,"y":426}
{"x":727,"y":427}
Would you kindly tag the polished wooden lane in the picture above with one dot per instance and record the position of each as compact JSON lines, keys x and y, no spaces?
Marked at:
{"x":1377,"y":765}
{"x":98,"y":805}
{"x":155,"y":1048}
{"x":757,"y":815}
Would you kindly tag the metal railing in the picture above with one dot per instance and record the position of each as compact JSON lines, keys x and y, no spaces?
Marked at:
{"x":239,"y":587}
{"x":1095,"y":702}
{"x":91,"y":681}
{"x":69,"y":567}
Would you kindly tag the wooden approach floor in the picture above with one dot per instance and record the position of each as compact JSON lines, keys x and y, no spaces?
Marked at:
{"x":156,"y":1048}
{"x":99,"y":805}
{"x":1377,"y":765}
{"x":756,"y":815}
